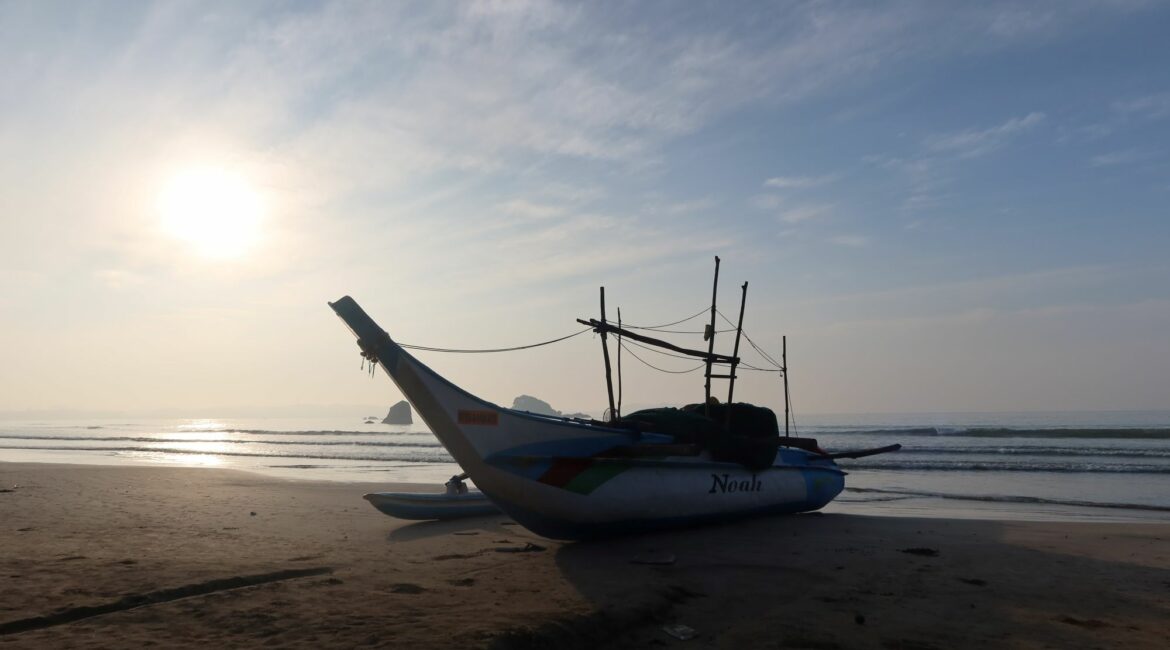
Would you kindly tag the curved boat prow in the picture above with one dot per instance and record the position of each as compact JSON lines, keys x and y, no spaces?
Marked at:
{"x":370,"y":337}
{"x":419,"y":384}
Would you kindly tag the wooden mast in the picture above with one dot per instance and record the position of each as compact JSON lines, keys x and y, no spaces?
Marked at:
{"x":735,"y":356}
{"x":605,"y":350}
{"x":710,"y":336}
{"x":784,"y":371}
{"x":619,"y":363}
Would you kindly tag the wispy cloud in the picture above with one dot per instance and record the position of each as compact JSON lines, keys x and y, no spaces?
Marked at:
{"x":688,"y":207}
{"x":529,"y":209}
{"x":798,"y":182}
{"x":1019,"y":21}
{"x":804,"y":213}
{"x":977,"y":142}
{"x":1123,"y":157}
{"x":766,"y":201}
{"x":1152,"y":106}
{"x":852,"y":241}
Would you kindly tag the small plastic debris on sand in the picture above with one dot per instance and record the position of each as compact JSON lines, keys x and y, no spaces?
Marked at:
{"x":253,"y":513}
{"x":656,"y":558}
{"x":679,"y":631}
{"x":920,"y":550}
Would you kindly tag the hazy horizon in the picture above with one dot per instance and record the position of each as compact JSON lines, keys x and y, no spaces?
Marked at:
{"x":946,"y":207}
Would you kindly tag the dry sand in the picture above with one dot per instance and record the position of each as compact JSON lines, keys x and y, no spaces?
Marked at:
{"x":132,"y":557}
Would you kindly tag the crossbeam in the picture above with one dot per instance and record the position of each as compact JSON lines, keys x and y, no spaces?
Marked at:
{"x":599,"y":326}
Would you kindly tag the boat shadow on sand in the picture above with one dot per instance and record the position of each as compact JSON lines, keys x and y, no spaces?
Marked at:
{"x":486,"y":524}
{"x":844,"y":581}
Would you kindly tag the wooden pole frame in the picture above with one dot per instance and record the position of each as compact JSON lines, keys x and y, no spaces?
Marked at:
{"x":784,"y":371}
{"x":711,"y":341}
{"x":735,"y":355}
{"x":605,"y":351}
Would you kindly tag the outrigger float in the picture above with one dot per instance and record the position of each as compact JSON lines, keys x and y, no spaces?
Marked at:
{"x":567,"y":478}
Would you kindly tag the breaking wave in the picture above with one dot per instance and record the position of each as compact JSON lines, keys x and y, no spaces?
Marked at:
{"x":896,"y":494}
{"x":1007,"y":432}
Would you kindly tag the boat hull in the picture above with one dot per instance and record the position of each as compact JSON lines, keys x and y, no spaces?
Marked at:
{"x":600,"y":498}
{"x":558,"y":478}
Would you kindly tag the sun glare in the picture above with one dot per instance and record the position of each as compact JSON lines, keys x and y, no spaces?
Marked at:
{"x":216,"y":212}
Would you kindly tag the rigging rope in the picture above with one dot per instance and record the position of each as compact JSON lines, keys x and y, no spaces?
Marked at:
{"x":426,"y":348}
{"x":677,"y":322}
{"x":665,"y":331}
{"x":648,"y":364}
{"x":742,"y":364}
{"x":767,"y":357}
{"x":787,"y":391}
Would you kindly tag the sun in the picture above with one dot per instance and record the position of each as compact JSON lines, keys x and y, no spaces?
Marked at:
{"x":215,"y":211}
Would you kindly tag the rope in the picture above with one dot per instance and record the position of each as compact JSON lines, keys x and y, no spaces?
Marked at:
{"x":767,"y":357}
{"x":426,"y":348}
{"x":657,"y":351}
{"x":677,"y":322}
{"x":665,"y":331}
{"x":745,"y":366}
{"x":791,"y":409}
{"x":648,"y":364}
{"x":742,"y":364}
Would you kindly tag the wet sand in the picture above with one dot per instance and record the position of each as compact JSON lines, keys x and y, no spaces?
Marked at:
{"x":131,"y":557}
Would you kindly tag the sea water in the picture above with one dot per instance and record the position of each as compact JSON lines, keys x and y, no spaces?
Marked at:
{"x":1106,"y":466}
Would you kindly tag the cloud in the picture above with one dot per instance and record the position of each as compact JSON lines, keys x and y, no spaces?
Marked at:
{"x":766,"y":201}
{"x":1153,"y":106}
{"x":1018,"y":21}
{"x":977,"y":142}
{"x":799,"y":182}
{"x":804,"y":213}
{"x":852,"y":241}
{"x":687,"y":207}
{"x":1123,"y":157}
{"x":529,"y":209}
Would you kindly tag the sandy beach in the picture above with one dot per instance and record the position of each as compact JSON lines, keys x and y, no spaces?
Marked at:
{"x":130,"y":557}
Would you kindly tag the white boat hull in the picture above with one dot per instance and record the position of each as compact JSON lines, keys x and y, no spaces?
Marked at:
{"x":552,"y":476}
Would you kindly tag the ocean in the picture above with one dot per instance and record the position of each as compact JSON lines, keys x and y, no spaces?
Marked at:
{"x":1082,"y":466}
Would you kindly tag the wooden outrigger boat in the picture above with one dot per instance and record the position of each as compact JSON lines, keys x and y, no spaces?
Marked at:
{"x":575,"y":479}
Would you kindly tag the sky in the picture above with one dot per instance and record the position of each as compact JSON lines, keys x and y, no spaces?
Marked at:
{"x":944,"y":206}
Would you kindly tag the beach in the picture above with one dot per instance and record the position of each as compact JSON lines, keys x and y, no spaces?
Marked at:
{"x":123,"y":556}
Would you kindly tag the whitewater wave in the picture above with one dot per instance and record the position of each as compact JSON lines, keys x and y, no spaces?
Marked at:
{"x":1004,"y":432}
{"x":1005,"y":466}
{"x":890,"y":494}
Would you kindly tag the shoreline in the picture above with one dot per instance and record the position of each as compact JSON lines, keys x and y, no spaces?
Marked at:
{"x":853,"y":501}
{"x":194,"y":557}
